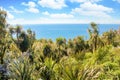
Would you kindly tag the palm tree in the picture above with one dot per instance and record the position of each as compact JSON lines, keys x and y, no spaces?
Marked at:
{"x":24,"y":41}
{"x":3,"y":15}
{"x":2,"y":34}
{"x":47,"y":50}
{"x":31,"y":37}
{"x":79,"y":44}
{"x":12,"y":31}
{"x":70,"y":46}
{"x":61,"y":43}
{"x":94,"y":34}
{"x":4,"y":44}
{"x":109,"y":37}
{"x":18,"y":31}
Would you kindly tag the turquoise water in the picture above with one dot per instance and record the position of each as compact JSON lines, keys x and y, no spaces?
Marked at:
{"x":53,"y":31}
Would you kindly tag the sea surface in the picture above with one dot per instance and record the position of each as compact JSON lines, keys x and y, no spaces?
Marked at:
{"x":53,"y":31}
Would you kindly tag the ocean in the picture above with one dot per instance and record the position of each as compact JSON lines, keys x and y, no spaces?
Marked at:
{"x":68,"y":31}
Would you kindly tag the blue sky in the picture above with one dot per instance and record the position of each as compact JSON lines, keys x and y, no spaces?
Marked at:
{"x":61,"y":11}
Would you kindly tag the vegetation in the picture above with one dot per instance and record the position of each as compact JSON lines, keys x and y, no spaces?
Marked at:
{"x":22,"y":57}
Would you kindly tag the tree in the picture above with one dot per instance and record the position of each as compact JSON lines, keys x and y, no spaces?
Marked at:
{"x":3,"y":15}
{"x":3,"y":33}
{"x":18,"y":31}
{"x":4,"y":44}
{"x":61,"y":44}
{"x":70,"y":46}
{"x":23,"y":40}
{"x":79,"y":44}
{"x":47,"y":50}
{"x":109,"y":37}
{"x":24,"y":45}
{"x":94,"y":34}
{"x":31,"y":37}
{"x":11,"y":30}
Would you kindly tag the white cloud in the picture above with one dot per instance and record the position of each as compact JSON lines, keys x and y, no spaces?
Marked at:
{"x":95,"y":7}
{"x":31,"y":7}
{"x":1,"y":8}
{"x":58,"y":15}
{"x":29,"y":4}
{"x":93,"y":10}
{"x":9,"y":15}
{"x":46,"y":13}
{"x":61,"y":16}
{"x":54,"y":4}
{"x":46,"y":21}
{"x":81,"y":1}
{"x":33,"y":10}
{"x":117,"y":1}
{"x":63,"y":21}
{"x":17,"y":21}
{"x":15,"y":10}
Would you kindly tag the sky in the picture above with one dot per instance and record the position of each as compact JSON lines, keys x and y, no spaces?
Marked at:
{"x":61,"y":11}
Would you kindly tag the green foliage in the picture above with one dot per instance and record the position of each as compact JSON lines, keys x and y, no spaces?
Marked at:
{"x":2,"y":35}
{"x":60,"y":41}
{"x":94,"y":36}
{"x":101,"y":53}
{"x":47,"y":70}
{"x":70,"y":68}
{"x":47,"y":50}
{"x":61,"y":60}
{"x":78,"y":44}
{"x":23,"y":40}
{"x":22,"y":57}
{"x":21,"y":69}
